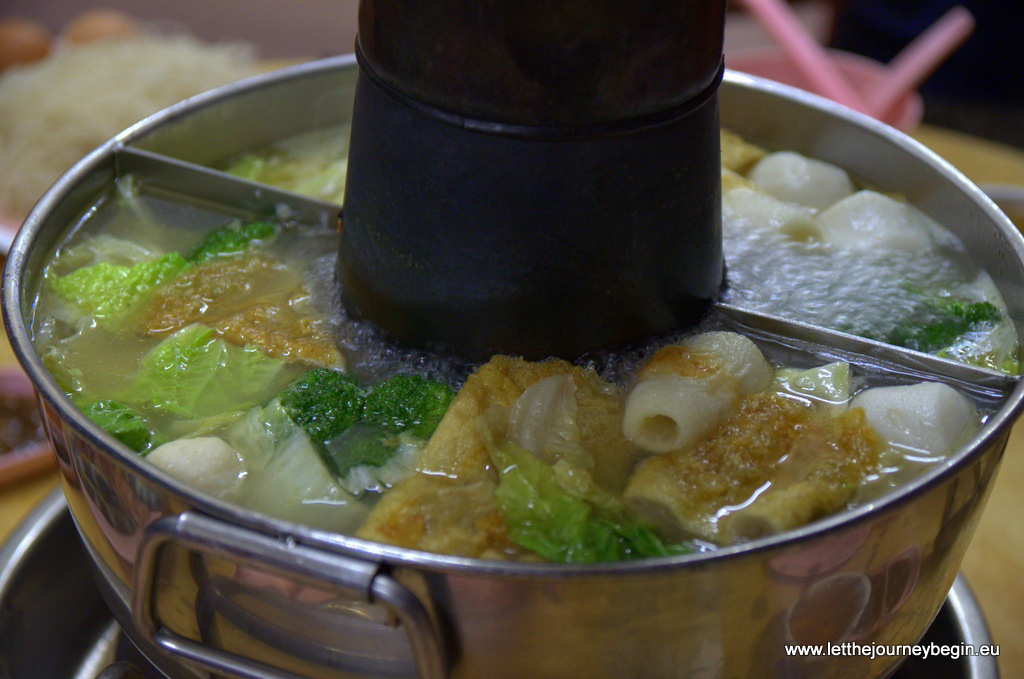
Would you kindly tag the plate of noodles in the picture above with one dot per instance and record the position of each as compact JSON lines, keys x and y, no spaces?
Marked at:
{"x":8,"y":230}
{"x":58,"y":99}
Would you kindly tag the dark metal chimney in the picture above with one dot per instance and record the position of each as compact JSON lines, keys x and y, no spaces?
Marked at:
{"x":533,"y":177}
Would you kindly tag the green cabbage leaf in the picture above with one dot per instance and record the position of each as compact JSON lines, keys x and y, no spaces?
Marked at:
{"x":122,"y":422}
{"x":195,"y":374}
{"x":548,"y":511}
{"x":111,"y":290}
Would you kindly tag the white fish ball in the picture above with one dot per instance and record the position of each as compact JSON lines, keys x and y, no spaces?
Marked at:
{"x":205,"y":462}
{"x":929,"y":417}
{"x":795,"y":178}
{"x":753,"y":210}
{"x":868,"y":220}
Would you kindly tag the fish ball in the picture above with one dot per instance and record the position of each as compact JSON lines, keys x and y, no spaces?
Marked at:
{"x":868,"y":220}
{"x":206,"y":462}
{"x":929,"y":417}
{"x":795,"y":178}
{"x":750,"y":210}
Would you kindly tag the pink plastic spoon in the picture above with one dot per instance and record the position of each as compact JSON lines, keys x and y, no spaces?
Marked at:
{"x":805,"y":52}
{"x":919,"y":59}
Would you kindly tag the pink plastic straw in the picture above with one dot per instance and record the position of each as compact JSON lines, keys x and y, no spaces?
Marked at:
{"x":919,"y":59}
{"x":805,"y":52}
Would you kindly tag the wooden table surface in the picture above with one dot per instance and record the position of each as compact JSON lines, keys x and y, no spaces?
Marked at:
{"x":994,"y":565}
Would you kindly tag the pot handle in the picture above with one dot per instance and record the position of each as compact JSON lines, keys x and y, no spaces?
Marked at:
{"x":362,"y":580}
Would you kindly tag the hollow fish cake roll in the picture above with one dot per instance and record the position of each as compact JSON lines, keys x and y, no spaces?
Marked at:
{"x":669,"y":412}
{"x":733,"y":355}
{"x":726,"y":354}
{"x":685,"y":391}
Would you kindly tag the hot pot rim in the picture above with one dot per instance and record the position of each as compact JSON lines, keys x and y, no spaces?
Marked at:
{"x":16,"y":309}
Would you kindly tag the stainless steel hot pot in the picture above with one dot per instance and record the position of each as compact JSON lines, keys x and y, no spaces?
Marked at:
{"x":204,"y":586}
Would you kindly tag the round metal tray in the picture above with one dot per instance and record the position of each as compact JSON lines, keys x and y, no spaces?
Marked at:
{"x":54,"y":623}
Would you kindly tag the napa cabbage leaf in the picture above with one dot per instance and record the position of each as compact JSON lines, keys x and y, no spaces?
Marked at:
{"x":233,"y":238}
{"x":122,"y":422}
{"x":194,"y":373}
{"x":566,"y":521}
{"x":109,"y":290}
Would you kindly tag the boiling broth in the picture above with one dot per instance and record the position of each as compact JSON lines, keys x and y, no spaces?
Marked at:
{"x":266,"y":461}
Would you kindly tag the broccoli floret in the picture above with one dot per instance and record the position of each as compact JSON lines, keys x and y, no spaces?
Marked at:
{"x":324,"y":402}
{"x":351,"y":427}
{"x":941,"y":323}
{"x":231,"y":239}
{"x":110,"y":290}
{"x":121,"y":422}
{"x":360,"y":444}
{"x":408,"y":403}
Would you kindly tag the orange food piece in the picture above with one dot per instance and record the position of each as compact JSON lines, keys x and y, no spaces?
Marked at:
{"x":249,"y":299}
{"x":776,"y":456}
{"x":23,"y":41}
{"x":101,"y":23}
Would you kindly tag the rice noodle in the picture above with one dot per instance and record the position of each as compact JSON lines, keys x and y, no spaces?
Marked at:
{"x":54,"y":111}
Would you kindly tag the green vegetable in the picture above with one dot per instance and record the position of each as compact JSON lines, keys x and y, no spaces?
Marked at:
{"x":231,"y":239}
{"x":940,"y":322}
{"x":361,"y":444}
{"x":542,"y":515}
{"x":70,"y":378}
{"x":408,"y":403}
{"x":351,"y":426}
{"x":248,"y":166}
{"x":326,"y":184}
{"x":122,"y":422}
{"x":828,"y":384}
{"x":195,"y":374}
{"x":324,"y":402}
{"x":312,"y":163}
{"x":288,"y":479}
{"x":110,"y":290}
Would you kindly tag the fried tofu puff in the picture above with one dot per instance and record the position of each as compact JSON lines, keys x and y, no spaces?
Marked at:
{"x":732,"y":460}
{"x":773,"y":466}
{"x":739,"y":155}
{"x":250,"y":299}
{"x":448,"y":506}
